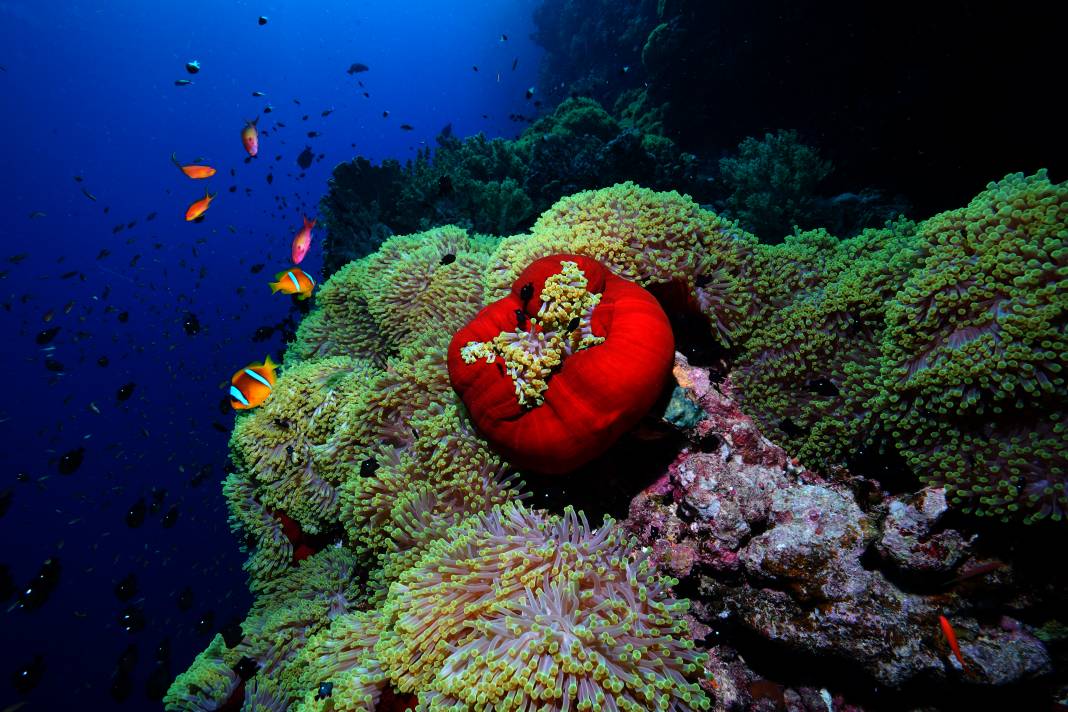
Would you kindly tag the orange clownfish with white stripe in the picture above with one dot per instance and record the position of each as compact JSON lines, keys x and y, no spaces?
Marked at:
{"x":252,"y":385}
{"x":293,"y":281}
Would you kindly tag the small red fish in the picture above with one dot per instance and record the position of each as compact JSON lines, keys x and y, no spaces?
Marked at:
{"x":250,"y":137}
{"x":199,"y":207}
{"x":193,"y":171}
{"x":302,"y":242}
{"x":252,"y":385}
{"x":293,"y":281}
{"x":951,"y":638}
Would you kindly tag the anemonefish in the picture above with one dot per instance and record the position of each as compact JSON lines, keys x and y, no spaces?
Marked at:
{"x":302,"y":242}
{"x":250,"y":137}
{"x":199,"y":207}
{"x":252,"y":385}
{"x":194,"y":172}
{"x":293,"y":281}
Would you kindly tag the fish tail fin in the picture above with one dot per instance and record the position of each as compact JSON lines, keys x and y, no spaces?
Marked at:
{"x":268,"y":363}
{"x":309,"y":224}
{"x":275,"y":286}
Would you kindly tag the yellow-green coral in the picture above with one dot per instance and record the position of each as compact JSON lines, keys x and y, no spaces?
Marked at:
{"x":538,"y":347}
{"x":645,"y":236}
{"x":516,"y":608}
{"x":272,"y":445}
{"x":976,"y":351}
{"x":341,"y":655}
{"x":208,"y":682}
{"x":341,"y":324}
{"x":430,"y":281}
{"x":447,"y":473}
{"x":809,"y":373}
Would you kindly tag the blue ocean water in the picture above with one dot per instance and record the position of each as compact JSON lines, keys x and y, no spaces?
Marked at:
{"x":97,"y":246}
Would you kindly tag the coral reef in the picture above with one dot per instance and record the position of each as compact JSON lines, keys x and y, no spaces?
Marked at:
{"x":395,"y":564}
{"x":780,"y":551}
{"x":772,"y":183}
{"x":494,"y":186}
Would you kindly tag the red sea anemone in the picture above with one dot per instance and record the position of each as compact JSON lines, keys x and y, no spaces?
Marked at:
{"x":571,"y":359}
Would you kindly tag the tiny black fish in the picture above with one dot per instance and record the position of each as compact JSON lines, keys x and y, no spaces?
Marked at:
{"x":46,"y":336}
{"x":270,"y":178}
{"x":150,"y":216}
{"x":124,"y":317}
{"x":262,"y":21}
{"x":515,"y":63}
{"x":125,"y":391}
{"x":170,"y":517}
{"x":5,"y":503}
{"x":38,"y":591}
{"x":135,"y":516}
{"x":314,"y":134}
{"x":71,"y":461}
{"x":474,"y":68}
{"x":182,"y":82}
{"x":191,"y":324}
{"x":447,"y":259}
{"x":530,"y":93}
{"x":28,"y":674}
{"x":126,"y":588}
{"x":231,"y":633}
{"x":102,"y":362}
{"x":256,"y":268}
{"x":132,"y":619}
{"x":406,"y":127}
{"x":245,"y":668}
{"x":192,"y":66}
{"x":206,"y":623}
{"x":368,"y":467}
{"x":53,"y":365}
{"x":158,"y":495}
{"x":357,"y":67}
{"x":304,"y":160}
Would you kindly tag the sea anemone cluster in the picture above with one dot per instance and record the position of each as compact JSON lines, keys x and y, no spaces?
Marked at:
{"x":365,"y":461}
{"x":378,"y":491}
{"x":943,"y":340}
{"x":975,"y":356}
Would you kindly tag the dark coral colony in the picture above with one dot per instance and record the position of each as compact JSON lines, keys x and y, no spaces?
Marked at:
{"x":555,"y":436}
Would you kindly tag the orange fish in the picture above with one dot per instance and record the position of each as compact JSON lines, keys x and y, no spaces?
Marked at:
{"x":250,"y":137}
{"x":293,"y":281}
{"x":951,"y":638}
{"x":194,"y":172}
{"x":302,"y":242}
{"x":252,"y":385}
{"x":199,"y":207}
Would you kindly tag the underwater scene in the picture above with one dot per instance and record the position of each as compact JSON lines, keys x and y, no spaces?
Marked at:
{"x":533,"y":355}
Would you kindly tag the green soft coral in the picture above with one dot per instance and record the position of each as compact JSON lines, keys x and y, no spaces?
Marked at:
{"x":976,"y":351}
{"x":810,"y":368}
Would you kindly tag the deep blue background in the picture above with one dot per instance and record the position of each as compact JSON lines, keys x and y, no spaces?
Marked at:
{"x":88,"y":90}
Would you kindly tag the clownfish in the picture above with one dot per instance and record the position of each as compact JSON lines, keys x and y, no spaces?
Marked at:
{"x":250,"y":137}
{"x":293,"y":281}
{"x":199,"y":207}
{"x":252,"y":385}
{"x":302,"y":242}
{"x":194,"y":172}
